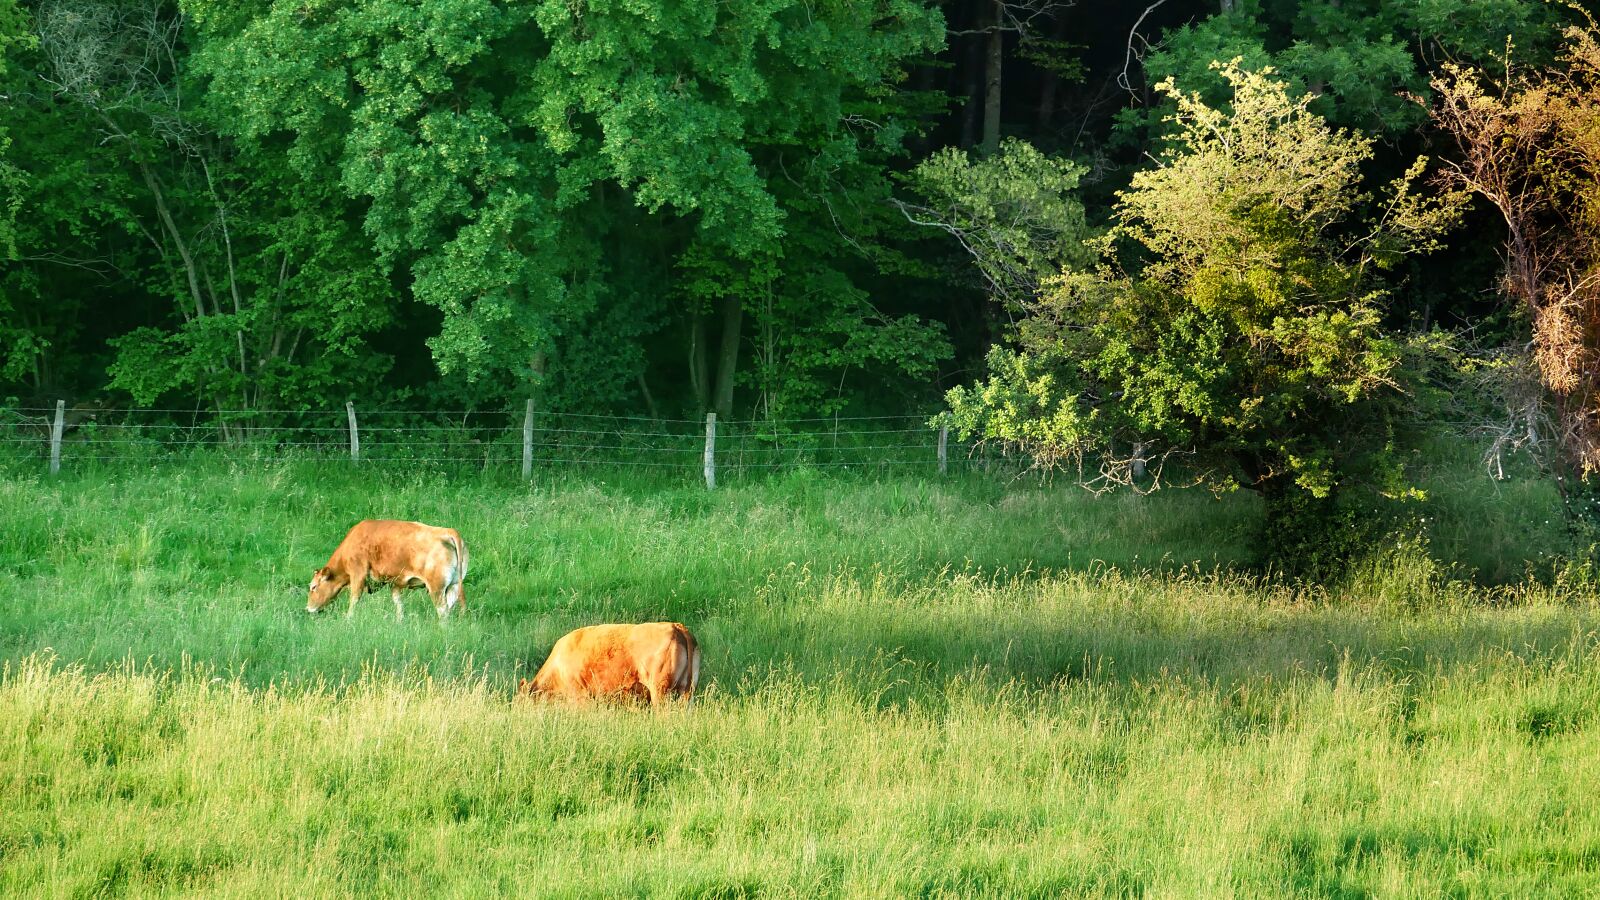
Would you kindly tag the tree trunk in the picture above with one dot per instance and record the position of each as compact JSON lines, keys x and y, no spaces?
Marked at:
{"x":276,"y":344}
{"x":972,"y":89}
{"x":233,"y":276}
{"x":164,"y":214}
{"x":697,"y":364}
{"x":177,"y":238}
{"x":41,"y":366}
{"x":1051,"y":81}
{"x":728,"y":357}
{"x":992,"y":70}
{"x":649,"y":398}
{"x":538,"y":363}
{"x":1047,"y":100}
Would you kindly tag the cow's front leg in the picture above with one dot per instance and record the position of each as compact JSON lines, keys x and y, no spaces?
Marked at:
{"x":358,"y":583}
{"x":399,"y":608}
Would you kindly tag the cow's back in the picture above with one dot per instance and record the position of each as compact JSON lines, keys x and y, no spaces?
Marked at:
{"x":595,"y":659}
{"x":387,"y":546}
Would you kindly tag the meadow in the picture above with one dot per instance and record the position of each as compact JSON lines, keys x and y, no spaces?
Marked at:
{"x":913,"y":686}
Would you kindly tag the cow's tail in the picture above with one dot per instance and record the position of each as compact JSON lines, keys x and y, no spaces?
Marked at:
{"x":453,"y":591}
{"x":689,"y":680}
{"x":461,"y":554}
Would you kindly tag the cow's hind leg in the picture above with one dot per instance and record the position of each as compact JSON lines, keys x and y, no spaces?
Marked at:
{"x":437,"y":592}
{"x":666,"y":671}
{"x":395,"y":591}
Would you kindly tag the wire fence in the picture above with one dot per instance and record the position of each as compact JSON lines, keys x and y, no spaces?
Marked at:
{"x":512,"y":441}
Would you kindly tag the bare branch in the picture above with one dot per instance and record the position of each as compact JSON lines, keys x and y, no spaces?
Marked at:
{"x":1017,"y":16}
{"x":1133,"y":33}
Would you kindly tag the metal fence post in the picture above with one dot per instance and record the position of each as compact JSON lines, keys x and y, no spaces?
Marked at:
{"x":527,"y":442}
{"x":355,"y":434}
{"x":944,"y":439}
{"x":56,"y":431}
{"x":711,"y":451}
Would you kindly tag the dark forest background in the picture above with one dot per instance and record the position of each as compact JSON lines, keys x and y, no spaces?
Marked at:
{"x":647,"y":207}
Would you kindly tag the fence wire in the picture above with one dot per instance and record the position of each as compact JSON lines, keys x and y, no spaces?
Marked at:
{"x":488,"y":440}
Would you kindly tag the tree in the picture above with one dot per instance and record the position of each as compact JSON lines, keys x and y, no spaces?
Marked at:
{"x":268,"y":304}
{"x":1234,"y":320}
{"x":1530,"y":146}
{"x":534,"y":170}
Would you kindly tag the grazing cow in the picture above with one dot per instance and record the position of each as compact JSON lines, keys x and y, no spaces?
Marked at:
{"x":400,"y":554}
{"x":658,"y":660}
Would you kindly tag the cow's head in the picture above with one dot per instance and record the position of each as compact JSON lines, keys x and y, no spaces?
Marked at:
{"x":325,"y":585}
{"x":526,"y":688}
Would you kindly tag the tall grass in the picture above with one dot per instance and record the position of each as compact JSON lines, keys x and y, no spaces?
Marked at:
{"x":914,"y":687}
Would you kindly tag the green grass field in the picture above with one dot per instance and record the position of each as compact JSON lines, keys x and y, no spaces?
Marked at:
{"x":912,"y":687}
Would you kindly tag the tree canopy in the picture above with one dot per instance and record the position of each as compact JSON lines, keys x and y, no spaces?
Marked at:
{"x":1235,"y":317}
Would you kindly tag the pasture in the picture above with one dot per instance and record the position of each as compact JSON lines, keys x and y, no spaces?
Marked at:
{"x":912,"y":687}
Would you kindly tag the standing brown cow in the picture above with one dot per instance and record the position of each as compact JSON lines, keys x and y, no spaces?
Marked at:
{"x":656,"y":660}
{"x":400,"y":554}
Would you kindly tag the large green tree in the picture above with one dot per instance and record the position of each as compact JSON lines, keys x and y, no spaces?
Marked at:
{"x":558,"y":178}
{"x":1234,"y":323}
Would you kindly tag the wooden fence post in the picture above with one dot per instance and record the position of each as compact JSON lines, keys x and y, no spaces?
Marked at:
{"x":711,"y":451}
{"x":355,"y":433}
{"x":944,"y":439}
{"x":527,"y":442}
{"x":56,"y":431}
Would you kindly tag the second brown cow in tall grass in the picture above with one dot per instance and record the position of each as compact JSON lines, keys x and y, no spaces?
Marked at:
{"x":657,"y":660}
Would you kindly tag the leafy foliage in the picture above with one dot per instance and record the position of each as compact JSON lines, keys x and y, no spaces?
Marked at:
{"x":503,"y":149}
{"x":18,"y":346}
{"x":1013,"y":213}
{"x":265,"y":297}
{"x":1235,"y":318}
{"x":1365,"y":59}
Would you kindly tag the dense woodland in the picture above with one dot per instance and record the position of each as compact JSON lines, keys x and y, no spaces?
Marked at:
{"x":1254,"y":242}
